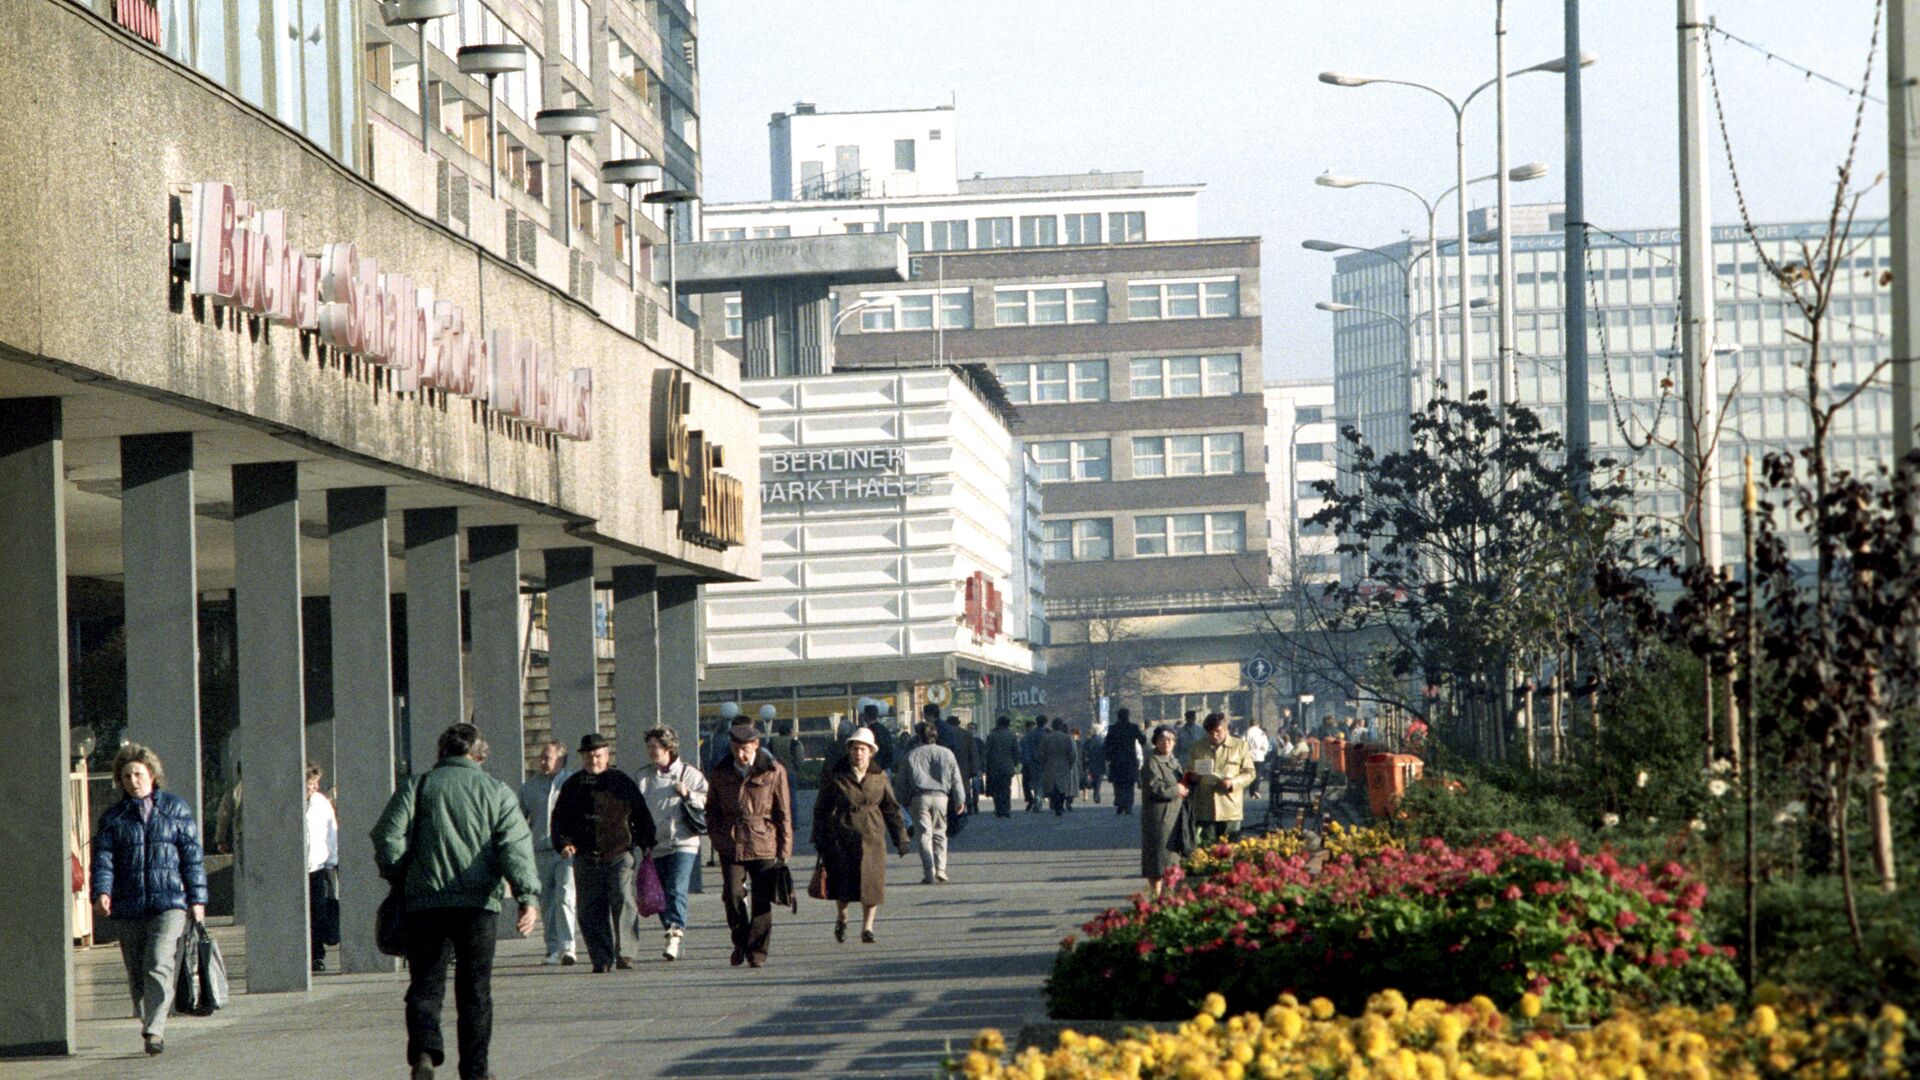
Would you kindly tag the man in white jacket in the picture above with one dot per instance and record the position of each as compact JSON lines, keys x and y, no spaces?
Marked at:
{"x":323,"y":861}
{"x":1260,"y":747}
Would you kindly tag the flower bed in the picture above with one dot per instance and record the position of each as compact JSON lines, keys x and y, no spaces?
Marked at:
{"x":1431,"y":1039}
{"x":1358,"y":840}
{"x":1503,"y":919}
{"x":1284,"y":843}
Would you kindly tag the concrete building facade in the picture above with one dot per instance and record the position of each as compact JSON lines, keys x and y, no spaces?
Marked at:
{"x":898,"y":564}
{"x":1301,"y":452}
{"x":1633,"y":342}
{"x":288,"y":391}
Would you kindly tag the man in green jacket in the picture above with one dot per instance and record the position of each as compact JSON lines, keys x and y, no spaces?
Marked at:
{"x":456,"y":834}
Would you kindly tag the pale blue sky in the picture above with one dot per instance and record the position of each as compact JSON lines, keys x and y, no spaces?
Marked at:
{"x":1225,"y":92}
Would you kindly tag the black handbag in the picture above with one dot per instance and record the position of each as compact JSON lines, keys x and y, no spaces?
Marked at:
{"x":390,"y":919}
{"x":1180,"y":842}
{"x":200,"y":973}
{"x":696,"y":817}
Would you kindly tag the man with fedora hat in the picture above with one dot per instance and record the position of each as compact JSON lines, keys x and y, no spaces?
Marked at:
{"x":601,"y":822}
{"x":750,"y":821}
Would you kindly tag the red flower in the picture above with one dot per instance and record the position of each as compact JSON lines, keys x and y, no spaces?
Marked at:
{"x":1512,"y":892}
{"x":1626,"y":920}
{"x":1145,"y":947}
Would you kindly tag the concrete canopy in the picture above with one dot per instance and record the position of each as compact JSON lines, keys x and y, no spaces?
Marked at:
{"x":854,"y":259}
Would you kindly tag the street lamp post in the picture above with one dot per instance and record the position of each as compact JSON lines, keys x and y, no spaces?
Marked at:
{"x":566,"y":125}
{"x":672,"y":199}
{"x":490,"y":62}
{"x":1558,"y":65}
{"x":631,"y":173}
{"x":419,"y":13}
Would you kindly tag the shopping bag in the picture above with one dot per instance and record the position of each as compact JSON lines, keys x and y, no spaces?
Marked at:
{"x":200,"y":973}
{"x":647,"y":893}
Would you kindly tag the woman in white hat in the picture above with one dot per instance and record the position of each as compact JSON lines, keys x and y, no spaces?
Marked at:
{"x":852,"y":821}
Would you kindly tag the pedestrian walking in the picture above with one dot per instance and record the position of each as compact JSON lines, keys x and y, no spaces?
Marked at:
{"x":537,"y":798}
{"x":975,"y":767}
{"x":676,"y":795}
{"x":455,"y":837}
{"x":1163,"y":794}
{"x":1218,"y":770}
{"x":750,"y":821}
{"x":323,"y":863}
{"x":934,"y":789}
{"x":852,"y":820}
{"x":783,"y":743}
{"x":1126,"y":745}
{"x":1030,"y":761}
{"x":1190,"y":733}
{"x":1002,"y":762}
{"x":602,"y":823}
{"x":148,"y":876}
{"x":1096,"y":761}
{"x":1078,"y":784}
{"x":1260,"y":748}
{"x":1056,"y":765}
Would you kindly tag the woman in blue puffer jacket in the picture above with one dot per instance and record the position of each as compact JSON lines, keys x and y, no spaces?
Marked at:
{"x":147,"y":875}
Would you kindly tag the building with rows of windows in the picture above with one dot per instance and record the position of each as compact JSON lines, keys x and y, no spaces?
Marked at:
{"x":1129,"y":348}
{"x":1632,"y":345}
{"x":1300,"y":455}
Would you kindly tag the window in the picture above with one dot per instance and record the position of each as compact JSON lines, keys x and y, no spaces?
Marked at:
{"x":769,"y":232}
{"x":903,"y":155}
{"x":1187,"y":455}
{"x":1189,"y":534}
{"x":583,"y":208}
{"x":1185,"y":376}
{"x":626,"y":66}
{"x":1086,"y":540}
{"x":1313,"y":451}
{"x":1055,"y":382}
{"x":1129,"y":227}
{"x":1306,"y":489}
{"x":1074,"y":459}
{"x":1309,"y":527}
{"x":914,"y":311}
{"x":950,"y":235}
{"x":1083,"y":228}
{"x":1038,"y":307}
{"x":1309,"y":414}
{"x":915,"y":232}
{"x":1218,"y":299}
{"x":993,"y":232}
{"x":730,"y":313}
{"x":726,"y":234}
{"x":575,"y":26}
{"x":1039,"y":230}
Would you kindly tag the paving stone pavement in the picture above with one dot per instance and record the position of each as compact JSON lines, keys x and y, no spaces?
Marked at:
{"x":951,"y":959}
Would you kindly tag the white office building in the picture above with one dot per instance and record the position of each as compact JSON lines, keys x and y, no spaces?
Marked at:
{"x":1300,"y":453}
{"x":901,"y":537}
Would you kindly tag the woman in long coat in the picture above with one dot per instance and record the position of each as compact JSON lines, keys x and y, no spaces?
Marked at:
{"x":1163,"y":794}
{"x":852,"y":820}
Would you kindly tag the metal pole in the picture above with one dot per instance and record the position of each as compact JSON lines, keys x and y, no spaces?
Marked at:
{"x":1505,"y":376}
{"x":633,"y":237}
{"x":1903,"y":148}
{"x":673,"y":266}
{"x":1749,"y":505}
{"x":493,"y":141}
{"x":566,"y":190}
{"x":1435,"y":302}
{"x":424,"y":126}
{"x":1466,"y":278}
{"x":1574,"y":273}
{"x":1700,"y":374}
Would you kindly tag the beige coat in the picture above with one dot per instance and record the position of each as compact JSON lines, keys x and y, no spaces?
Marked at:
{"x":1222,"y":795}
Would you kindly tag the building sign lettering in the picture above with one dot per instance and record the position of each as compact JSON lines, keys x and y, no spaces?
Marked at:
{"x":797,"y":480}
{"x":240,"y":258}
{"x":984,"y":606}
{"x":712,"y":504}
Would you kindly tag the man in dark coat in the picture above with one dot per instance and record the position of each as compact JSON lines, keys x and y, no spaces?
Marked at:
{"x":1002,"y":762}
{"x":956,"y":739}
{"x":1030,"y":761}
{"x":1058,"y":758}
{"x":1096,"y":751}
{"x":601,"y":821}
{"x":1125,"y":745}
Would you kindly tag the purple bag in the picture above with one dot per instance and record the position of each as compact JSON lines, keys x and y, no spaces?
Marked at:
{"x":647,"y":893}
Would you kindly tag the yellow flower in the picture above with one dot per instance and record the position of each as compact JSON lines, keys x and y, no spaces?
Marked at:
{"x":1530,"y":1005}
{"x":1214,"y":1006}
{"x":1322,"y":1008}
{"x":1765,"y":1021}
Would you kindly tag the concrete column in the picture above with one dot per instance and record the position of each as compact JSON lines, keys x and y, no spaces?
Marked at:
{"x":435,"y":697}
{"x":571,"y":665}
{"x":499,"y":694}
{"x":361,"y":633}
{"x":636,"y":648}
{"x":812,"y":314}
{"x":36,"y":935}
{"x":756,"y":330}
{"x":272,"y":698}
{"x":679,"y":650}
{"x":162,"y":605}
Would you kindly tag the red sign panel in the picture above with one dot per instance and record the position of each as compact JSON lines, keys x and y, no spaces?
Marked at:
{"x":983,"y":612}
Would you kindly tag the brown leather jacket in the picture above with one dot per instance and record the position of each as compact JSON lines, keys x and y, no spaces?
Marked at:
{"x":750,"y":817}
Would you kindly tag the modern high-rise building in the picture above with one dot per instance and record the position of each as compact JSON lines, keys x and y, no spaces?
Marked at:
{"x":286,"y":388}
{"x":1633,"y":343}
{"x":1300,"y":454}
{"x":1129,"y":347}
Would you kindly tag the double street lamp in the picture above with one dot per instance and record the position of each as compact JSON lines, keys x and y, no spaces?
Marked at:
{"x":1558,"y":66}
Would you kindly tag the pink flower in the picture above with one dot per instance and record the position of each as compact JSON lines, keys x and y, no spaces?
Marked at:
{"x":1512,"y":892}
{"x":1626,"y":920}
